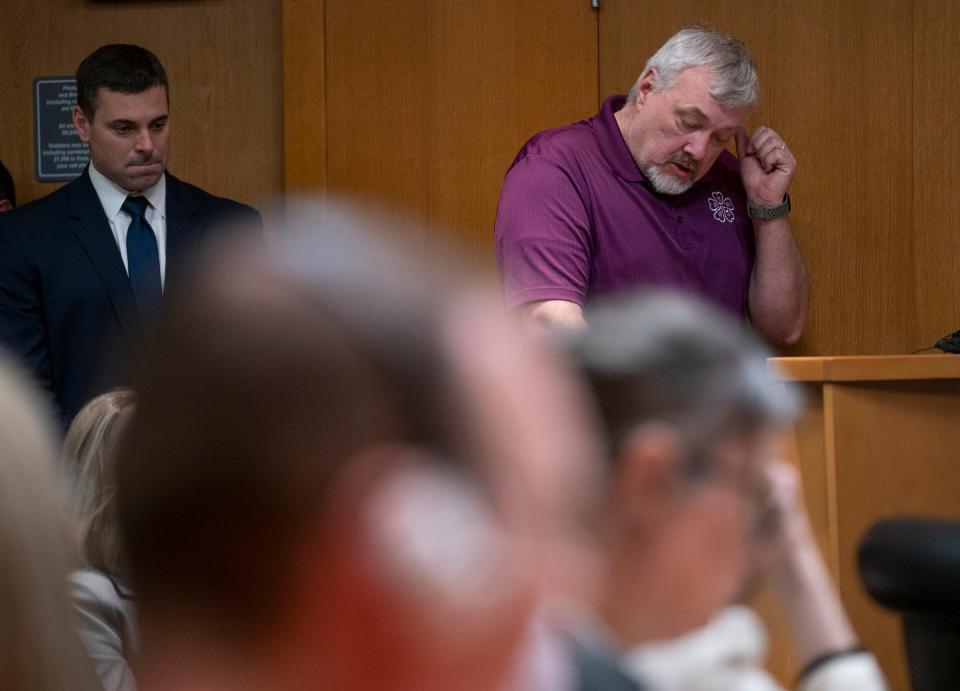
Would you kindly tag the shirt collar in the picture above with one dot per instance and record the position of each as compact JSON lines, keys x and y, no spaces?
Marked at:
{"x":614,"y":147}
{"x":112,"y":195}
{"x":612,"y":144}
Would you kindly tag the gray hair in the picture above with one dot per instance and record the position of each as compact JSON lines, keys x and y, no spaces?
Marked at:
{"x":91,"y":446}
{"x":660,"y":357}
{"x":735,"y":80}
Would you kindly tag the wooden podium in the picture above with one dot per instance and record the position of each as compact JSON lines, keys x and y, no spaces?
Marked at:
{"x":881,"y":436}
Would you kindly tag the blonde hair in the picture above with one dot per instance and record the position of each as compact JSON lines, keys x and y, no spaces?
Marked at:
{"x":39,"y":647}
{"x":91,"y":445}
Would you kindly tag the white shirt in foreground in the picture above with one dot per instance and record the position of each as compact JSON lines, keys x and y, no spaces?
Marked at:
{"x":728,"y":655}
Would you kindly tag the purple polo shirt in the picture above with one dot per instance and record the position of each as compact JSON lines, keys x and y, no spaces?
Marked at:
{"x":577,"y":219}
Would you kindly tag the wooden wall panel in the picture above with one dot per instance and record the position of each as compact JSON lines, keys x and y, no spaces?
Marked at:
{"x":837,"y":83}
{"x":936,"y":134}
{"x":304,"y":96}
{"x":896,"y":448}
{"x":428,"y":102}
{"x":421,"y":105}
{"x":224,"y":66}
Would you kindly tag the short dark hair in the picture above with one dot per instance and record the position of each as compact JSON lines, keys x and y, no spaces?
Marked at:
{"x":663,"y":357}
{"x":120,"y":67}
{"x":272,"y":370}
{"x":7,"y":190}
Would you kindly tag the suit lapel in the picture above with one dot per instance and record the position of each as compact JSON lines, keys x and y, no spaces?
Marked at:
{"x":92,"y":229}
{"x":183,"y":232}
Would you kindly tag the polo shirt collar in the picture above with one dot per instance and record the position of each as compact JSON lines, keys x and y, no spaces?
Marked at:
{"x":612,"y":144}
{"x":614,"y":148}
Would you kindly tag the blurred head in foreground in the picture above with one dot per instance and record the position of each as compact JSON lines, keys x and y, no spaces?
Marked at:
{"x":343,"y":472}
{"x":39,"y":650}
{"x":91,"y":444}
{"x":692,"y":417}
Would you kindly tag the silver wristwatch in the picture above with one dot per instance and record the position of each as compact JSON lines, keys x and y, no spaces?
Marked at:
{"x":767,"y":212}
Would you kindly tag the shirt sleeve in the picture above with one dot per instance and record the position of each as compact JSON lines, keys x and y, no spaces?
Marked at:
{"x":542,"y":235}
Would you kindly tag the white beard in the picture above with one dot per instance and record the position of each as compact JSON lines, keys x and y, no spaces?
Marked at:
{"x":665,"y":183}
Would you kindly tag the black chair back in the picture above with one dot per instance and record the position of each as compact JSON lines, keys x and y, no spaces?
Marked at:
{"x":912,"y":565}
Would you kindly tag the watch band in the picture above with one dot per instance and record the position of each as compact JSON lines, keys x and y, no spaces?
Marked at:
{"x":768,"y":212}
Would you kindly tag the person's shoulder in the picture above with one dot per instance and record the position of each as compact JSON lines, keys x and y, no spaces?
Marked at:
{"x":34,"y":213}
{"x":570,"y":152}
{"x":35,"y":225}
{"x":92,"y":585}
{"x":560,"y":143}
{"x":200,"y":200}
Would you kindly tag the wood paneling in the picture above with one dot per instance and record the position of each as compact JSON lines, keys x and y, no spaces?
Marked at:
{"x":421,"y":106}
{"x":224,"y":66}
{"x":426,"y":103}
{"x":867,"y":367}
{"x":879,"y":438}
{"x":304,"y":96}
{"x":872,"y":446}
{"x":867,"y":95}
{"x":896,"y":448}
{"x":936,"y":126}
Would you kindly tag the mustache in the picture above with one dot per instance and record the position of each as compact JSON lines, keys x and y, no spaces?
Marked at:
{"x":682,"y":158}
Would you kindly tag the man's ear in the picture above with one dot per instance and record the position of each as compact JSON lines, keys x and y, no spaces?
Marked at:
{"x":433,"y":535}
{"x":81,"y":123}
{"x":646,"y":477}
{"x":5,"y":205}
{"x":428,"y":547}
{"x":645,"y":85}
{"x":424,"y":533}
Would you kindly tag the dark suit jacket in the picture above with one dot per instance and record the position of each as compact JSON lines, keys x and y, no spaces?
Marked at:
{"x":66,"y":306}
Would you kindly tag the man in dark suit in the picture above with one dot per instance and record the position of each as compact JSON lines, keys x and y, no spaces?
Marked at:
{"x":83,"y":270}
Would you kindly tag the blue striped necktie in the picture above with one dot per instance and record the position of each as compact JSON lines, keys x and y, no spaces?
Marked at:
{"x":143,"y":259}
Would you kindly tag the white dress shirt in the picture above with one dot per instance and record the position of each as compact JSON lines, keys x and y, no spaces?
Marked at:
{"x":112,"y":197}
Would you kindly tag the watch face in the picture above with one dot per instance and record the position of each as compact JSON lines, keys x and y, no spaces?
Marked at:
{"x":756,"y":211}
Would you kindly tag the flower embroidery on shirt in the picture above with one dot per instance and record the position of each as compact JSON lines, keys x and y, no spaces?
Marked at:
{"x":721,"y":207}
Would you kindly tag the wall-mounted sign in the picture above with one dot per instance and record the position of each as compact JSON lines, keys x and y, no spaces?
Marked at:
{"x":60,"y":153}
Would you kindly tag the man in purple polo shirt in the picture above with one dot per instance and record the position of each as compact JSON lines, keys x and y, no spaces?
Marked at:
{"x":645,"y":192}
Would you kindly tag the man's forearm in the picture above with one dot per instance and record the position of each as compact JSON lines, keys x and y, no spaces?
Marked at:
{"x":779,"y":285}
